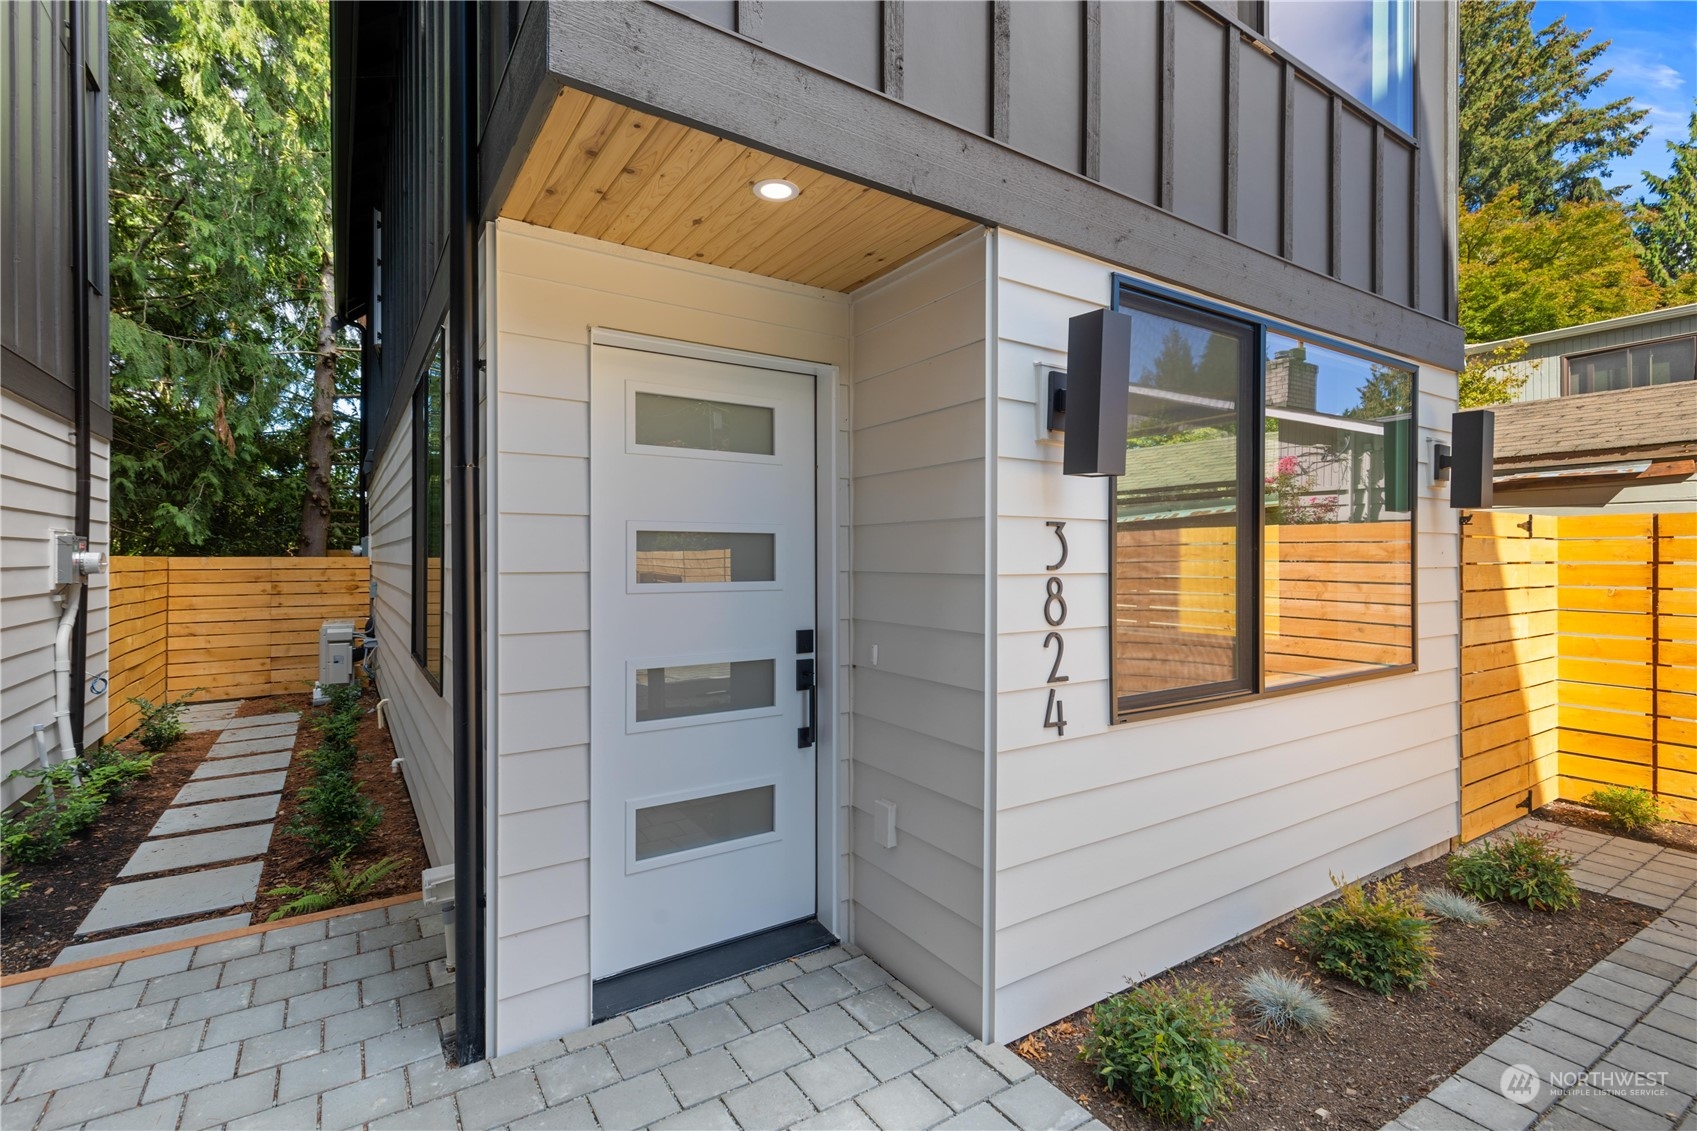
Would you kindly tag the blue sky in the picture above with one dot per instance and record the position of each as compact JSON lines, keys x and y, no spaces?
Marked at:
{"x":1654,"y":59}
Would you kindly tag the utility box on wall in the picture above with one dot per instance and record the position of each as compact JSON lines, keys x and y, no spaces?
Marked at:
{"x":335,"y":652}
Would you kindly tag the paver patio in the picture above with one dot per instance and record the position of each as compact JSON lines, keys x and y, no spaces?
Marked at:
{"x":1620,"y":1043}
{"x":339,"y":1022}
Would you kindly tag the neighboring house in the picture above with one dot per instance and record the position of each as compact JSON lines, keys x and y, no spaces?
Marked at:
{"x":55,"y":420}
{"x":1607,"y":418}
{"x":720,"y":446}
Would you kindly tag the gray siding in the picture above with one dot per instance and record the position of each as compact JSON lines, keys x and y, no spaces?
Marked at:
{"x":1122,"y":850}
{"x":420,"y":717}
{"x":1543,"y":360}
{"x":37,"y":494}
{"x":919,"y":562}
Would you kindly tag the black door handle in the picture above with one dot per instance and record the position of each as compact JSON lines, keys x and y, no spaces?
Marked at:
{"x":806,"y":680}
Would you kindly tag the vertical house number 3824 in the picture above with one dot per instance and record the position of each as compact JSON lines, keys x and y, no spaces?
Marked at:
{"x":1055,"y":615}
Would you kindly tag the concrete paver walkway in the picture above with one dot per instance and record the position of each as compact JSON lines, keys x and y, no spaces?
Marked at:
{"x":225,"y":817}
{"x":1617,"y":1049}
{"x":339,"y":1023}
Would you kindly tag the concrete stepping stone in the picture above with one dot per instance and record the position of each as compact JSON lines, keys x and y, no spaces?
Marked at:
{"x":79,"y":951}
{"x":247,"y":734}
{"x":200,"y":848}
{"x":280,"y":744}
{"x":228,"y":767}
{"x":148,"y":901}
{"x":221,"y":789}
{"x":275,"y":719}
{"x":197,"y":818}
{"x":208,"y":716}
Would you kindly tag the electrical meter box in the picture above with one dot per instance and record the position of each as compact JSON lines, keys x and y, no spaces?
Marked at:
{"x":335,"y":652}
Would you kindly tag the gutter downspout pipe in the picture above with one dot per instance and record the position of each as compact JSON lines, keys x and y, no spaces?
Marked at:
{"x":72,"y":703}
{"x":469,"y":902}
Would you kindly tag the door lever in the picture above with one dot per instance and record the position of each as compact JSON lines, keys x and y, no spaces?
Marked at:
{"x":806,"y":680}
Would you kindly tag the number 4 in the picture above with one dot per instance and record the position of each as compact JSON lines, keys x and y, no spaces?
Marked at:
{"x":1054,"y":715}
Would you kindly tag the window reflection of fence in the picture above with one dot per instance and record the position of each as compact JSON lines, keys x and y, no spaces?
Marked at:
{"x":1579,"y":661}
{"x":683,"y":566}
{"x":231,"y":627}
{"x":1336,"y":602}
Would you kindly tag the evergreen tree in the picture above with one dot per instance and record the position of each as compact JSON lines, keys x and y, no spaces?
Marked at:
{"x":1522,"y":117}
{"x":219,"y":224}
{"x":1667,"y":229}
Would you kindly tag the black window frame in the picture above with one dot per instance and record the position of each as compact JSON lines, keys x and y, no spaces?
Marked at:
{"x":433,"y":372}
{"x":1128,"y":293}
{"x":1567,"y":360}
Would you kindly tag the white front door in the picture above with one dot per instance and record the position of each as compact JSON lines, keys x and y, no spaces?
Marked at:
{"x":702,"y":790}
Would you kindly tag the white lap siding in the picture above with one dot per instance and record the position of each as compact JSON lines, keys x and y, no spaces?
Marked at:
{"x":551,"y":290}
{"x":920,"y":565}
{"x":1121,"y":850}
{"x":38,"y":489}
{"x":419,"y":716}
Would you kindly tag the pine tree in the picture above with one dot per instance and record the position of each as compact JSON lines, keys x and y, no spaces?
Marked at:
{"x":1667,"y":229}
{"x":1522,"y":117}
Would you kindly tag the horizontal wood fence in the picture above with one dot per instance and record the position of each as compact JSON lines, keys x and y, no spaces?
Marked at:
{"x":223,"y":628}
{"x":1579,"y":661}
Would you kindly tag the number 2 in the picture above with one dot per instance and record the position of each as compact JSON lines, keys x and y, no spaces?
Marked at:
{"x":1055,"y":675}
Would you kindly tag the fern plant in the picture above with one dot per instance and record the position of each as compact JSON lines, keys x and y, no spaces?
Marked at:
{"x":338,"y":888}
{"x":10,"y":888}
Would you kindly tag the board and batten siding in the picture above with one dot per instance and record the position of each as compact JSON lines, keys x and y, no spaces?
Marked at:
{"x":552,"y":289}
{"x":38,"y":484}
{"x":920,"y":565}
{"x":1121,"y":850}
{"x":420,"y":717}
{"x":1542,"y":362}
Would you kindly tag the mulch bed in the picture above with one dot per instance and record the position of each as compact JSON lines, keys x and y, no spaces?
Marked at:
{"x":1668,"y":834}
{"x":44,"y":921}
{"x":37,"y":926}
{"x":1384,"y":1053}
{"x":291,"y":860}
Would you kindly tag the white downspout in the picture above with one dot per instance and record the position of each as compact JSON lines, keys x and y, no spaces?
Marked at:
{"x":62,"y":668}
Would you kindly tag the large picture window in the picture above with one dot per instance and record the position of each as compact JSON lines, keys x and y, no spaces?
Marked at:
{"x":1263,"y":531}
{"x":427,"y":510}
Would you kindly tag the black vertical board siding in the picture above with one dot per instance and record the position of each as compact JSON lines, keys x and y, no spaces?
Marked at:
{"x":1199,"y":120}
{"x":895,"y":12}
{"x":1260,"y":149}
{"x":1311,"y":178}
{"x":1397,"y":221}
{"x":1131,"y":100}
{"x":1093,"y":89}
{"x":1046,"y":81}
{"x":1356,"y":182}
{"x":946,"y":62}
{"x":843,"y":37}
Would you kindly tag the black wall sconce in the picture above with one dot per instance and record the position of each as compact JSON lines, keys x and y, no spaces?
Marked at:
{"x":1094,"y":393}
{"x":1467,"y":463}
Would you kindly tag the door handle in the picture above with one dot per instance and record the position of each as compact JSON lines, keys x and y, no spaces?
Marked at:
{"x":806,"y":680}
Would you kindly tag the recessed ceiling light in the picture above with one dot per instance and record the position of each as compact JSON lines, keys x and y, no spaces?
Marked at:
{"x":776,"y":189}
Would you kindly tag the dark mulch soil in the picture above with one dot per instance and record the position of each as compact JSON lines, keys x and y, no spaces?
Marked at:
{"x":291,"y":860}
{"x":41,"y":923}
{"x":1384,"y":1053}
{"x":1668,"y":834}
{"x":36,"y":927}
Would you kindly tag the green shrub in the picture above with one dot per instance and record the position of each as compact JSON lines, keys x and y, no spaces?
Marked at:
{"x":333,"y":816}
{"x":1169,"y":1047}
{"x":1456,"y":907}
{"x":10,"y":888}
{"x":1279,"y":1001}
{"x":1376,"y":937}
{"x":161,"y":723}
{"x":338,"y":889}
{"x":344,"y":697}
{"x":1523,"y":868}
{"x":339,"y":729}
{"x":331,"y":758}
{"x":1629,"y":809}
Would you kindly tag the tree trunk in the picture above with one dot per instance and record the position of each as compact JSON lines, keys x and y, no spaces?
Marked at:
{"x":321,"y":435}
